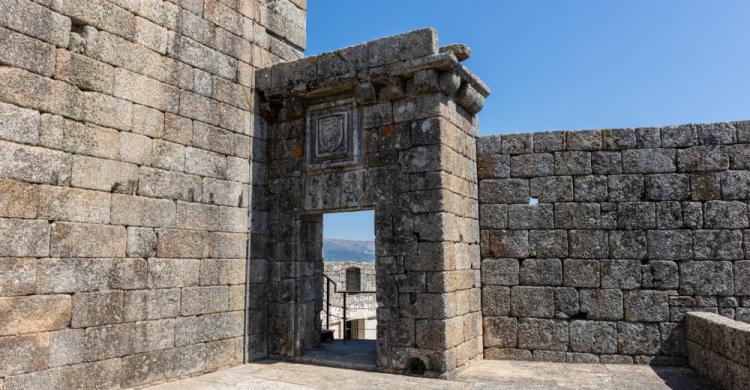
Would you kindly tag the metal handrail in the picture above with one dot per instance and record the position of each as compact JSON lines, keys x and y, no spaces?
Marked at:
{"x":330,"y":282}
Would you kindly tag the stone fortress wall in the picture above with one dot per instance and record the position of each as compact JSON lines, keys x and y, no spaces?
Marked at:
{"x":127,"y":137}
{"x":160,"y":217}
{"x":633,"y":228}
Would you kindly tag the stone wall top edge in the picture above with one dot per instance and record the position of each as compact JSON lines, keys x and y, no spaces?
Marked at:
{"x":717,"y":319}
{"x":744,"y":124}
{"x":375,"y":61}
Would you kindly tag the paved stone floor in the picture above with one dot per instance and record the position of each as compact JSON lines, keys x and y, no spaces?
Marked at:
{"x":484,"y":375}
{"x":353,"y":354}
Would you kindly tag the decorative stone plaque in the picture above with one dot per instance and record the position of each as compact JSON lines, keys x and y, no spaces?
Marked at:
{"x":333,"y":135}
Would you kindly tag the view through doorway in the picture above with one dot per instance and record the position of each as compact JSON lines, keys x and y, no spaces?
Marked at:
{"x":348,"y":315}
{"x":350,"y":308}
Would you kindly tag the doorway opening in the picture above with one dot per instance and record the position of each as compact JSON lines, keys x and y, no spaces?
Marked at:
{"x":348,"y":311}
{"x":350,"y":307}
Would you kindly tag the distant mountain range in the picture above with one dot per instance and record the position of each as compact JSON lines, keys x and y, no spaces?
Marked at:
{"x":348,"y":250}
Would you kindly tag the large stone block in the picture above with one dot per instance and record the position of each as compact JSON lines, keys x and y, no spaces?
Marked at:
{"x":100,"y":14}
{"x":204,"y":300}
{"x":107,"y":111}
{"x":19,"y":124}
{"x":504,"y":191}
{"x":588,"y":244}
{"x":572,"y":163}
{"x":581,"y":273}
{"x":733,"y":184}
{"x":24,"y":353}
{"x":87,"y":240}
{"x":542,"y":334}
{"x":18,"y":276}
{"x":625,"y":188}
{"x":602,"y":304}
{"x":706,"y":278}
{"x":668,"y":187}
{"x":648,"y":161}
{"x":537,"y":302}
{"x":577,"y":215}
{"x":73,"y":205}
{"x":636,"y":215}
{"x":143,"y":90}
{"x":495,"y":300}
{"x":171,"y":185}
{"x":702,"y":158}
{"x":66,"y":347}
{"x":661,"y":274}
{"x":18,"y":199}
{"x":670,"y":244}
{"x":541,"y":272}
{"x":638,"y":338}
{"x":725,"y":215}
{"x":228,"y":245}
{"x":140,"y":211}
{"x":621,"y":274}
{"x":104,"y":175}
{"x":34,"y":313}
{"x":531,"y":165}
{"x":548,"y":243}
{"x":530,"y":216}
{"x":36,"y":21}
{"x":717,"y":244}
{"x":24,"y":238}
{"x":500,"y":332}
{"x":192,"y":330}
{"x":646,"y":306}
{"x":552,"y":189}
{"x":593,"y":336}
{"x":165,"y":273}
{"x":97,"y":308}
{"x":84,"y":72}
{"x":628,"y":244}
{"x":75,"y":137}
{"x":32,"y":164}
{"x":509,"y":243}
{"x":152,"y":304}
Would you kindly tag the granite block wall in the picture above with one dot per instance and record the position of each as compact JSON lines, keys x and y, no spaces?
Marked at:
{"x":126,"y":138}
{"x":596,"y":243}
{"x":719,"y":349}
{"x":389,"y":126}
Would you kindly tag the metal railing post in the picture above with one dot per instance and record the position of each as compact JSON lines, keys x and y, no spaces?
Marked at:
{"x":344,"y":327}
{"x":328,"y":303}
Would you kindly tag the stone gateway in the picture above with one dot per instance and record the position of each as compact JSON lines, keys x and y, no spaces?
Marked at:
{"x":165,"y":165}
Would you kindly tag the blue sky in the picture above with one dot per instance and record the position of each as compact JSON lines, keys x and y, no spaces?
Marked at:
{"x":578,"y":64}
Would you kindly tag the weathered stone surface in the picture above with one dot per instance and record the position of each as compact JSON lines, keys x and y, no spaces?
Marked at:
{"x":73,"y":205}
{"x":620,"y":274}
{"x":500,"y":332}
{"x":34,"y":165}
{"x":33,"y":314}
{"x":19,"y":124}
{"x":717,"y":244}
{"x":638,"y":338}
{"x":706,"y":278}
{"x":104,"y":175}
{"x":537,"y":302}
{"x":572,"y":163}
{"x":588,"y":244}
{"x":495,"y":300}
{"x":86,"y":73}
{"x":23,"y":353}
{"x":530,"y":216}
{"x":725,"y":215}
{"x":542,"y":334}
{"x":164,"y":273}
{"x":648,"y":161}
{"x":24,"y":238}
{"x":87,"y":240}
{"x":593,"y":336}
{"x":37,"y":21}
{"x":541,"y":272}
{"x":581,"y":273}
{"x":18,"y":199}
{"x":646,"y":305}
{"x":504,"y":191}
{"x":602,"y":304}
{"x":670,"y":244}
